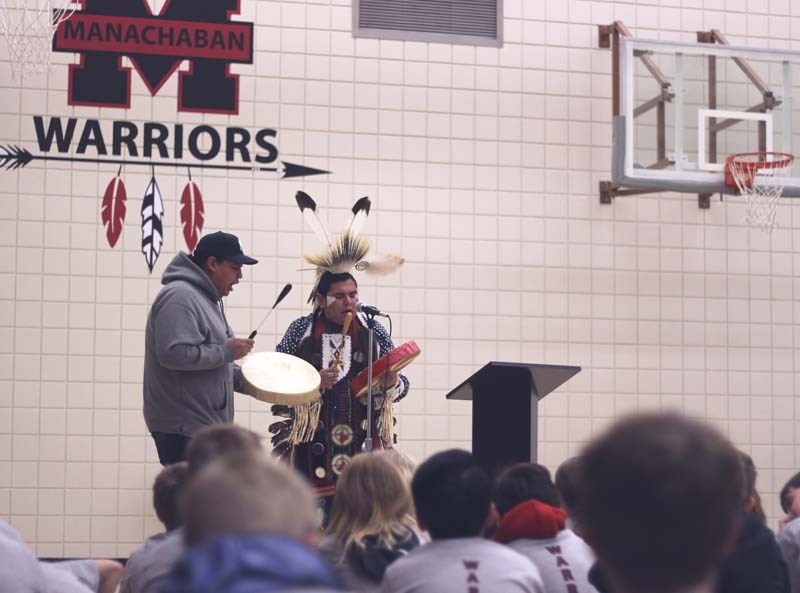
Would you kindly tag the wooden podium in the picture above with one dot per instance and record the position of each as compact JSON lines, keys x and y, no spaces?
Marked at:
{"x":505,"y":397}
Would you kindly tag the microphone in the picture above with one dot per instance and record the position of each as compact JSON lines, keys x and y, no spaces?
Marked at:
{"x":369,"y":310}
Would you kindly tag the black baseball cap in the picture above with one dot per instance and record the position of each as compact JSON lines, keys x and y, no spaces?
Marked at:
{"x":222,"y":246}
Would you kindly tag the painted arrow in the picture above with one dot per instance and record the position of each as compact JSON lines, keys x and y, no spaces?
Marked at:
{"x":14,"y":157}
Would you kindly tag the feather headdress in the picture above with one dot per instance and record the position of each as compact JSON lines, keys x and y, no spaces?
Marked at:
{"x":349,"y":250}
{"x":346,"y":252}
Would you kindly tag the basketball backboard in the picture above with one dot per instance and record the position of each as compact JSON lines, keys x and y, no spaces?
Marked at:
{"x":683,"y":107}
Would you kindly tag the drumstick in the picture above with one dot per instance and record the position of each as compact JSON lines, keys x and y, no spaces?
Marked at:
{"x":286,"y":290}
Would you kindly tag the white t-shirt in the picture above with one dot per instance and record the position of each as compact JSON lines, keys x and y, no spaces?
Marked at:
{"x":563,"y":561}
{"x":462,"y":565}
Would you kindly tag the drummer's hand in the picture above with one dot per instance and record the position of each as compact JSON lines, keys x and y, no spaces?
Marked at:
{"x":328,"y":378}
{"x":241,"y":347}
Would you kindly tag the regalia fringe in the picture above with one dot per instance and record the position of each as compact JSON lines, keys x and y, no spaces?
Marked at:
{"x":386,"y":428}
{"x":306,"y":418}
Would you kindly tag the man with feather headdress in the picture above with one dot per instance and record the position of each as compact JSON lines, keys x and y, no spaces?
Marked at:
{"x":334,"y":338}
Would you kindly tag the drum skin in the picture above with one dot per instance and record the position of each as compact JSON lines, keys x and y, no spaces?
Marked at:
{"x":397,"y":359}
{"x":280,"y":378}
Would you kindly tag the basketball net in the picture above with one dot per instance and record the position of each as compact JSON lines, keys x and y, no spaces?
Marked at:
{"x":760,"y":177}
{"x":28,"y":27}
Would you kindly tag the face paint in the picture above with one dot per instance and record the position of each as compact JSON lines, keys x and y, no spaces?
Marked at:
{"x":340,"y":300}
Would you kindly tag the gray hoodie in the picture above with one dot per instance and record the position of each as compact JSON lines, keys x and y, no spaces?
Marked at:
{"x":188,"y":365}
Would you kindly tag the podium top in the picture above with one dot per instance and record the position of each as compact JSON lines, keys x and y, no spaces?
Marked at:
{"x":544,"y":377}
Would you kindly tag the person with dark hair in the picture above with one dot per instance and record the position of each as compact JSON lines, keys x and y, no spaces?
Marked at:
{"x":220,"y":440}
{"x":167,"y":488}
{"x":752,"y":501}
{"x":250,"y":526}
{"x":533,"y":524}
{"x":755,"y":565}
{"x":659,"y":502}
{"x":566,"y":482}
{"x":789,"y":533}
{"x":790,"y":497}
{"x":452,"y":496}
{"x":149,"y":565}
{"x":339,"y":353}
{"x":189,"y":373}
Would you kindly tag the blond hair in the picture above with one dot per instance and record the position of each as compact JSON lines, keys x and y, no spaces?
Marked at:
{"x":402,"y":460}
{"x":248,"y":493}
{"x":373,"y":499}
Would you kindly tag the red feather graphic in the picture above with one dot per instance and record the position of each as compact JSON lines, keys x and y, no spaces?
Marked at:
{"x":113,"y":210}
{"x":192,"y":214}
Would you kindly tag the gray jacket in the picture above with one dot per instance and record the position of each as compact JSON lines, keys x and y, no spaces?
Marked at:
{"x":188,"y":365}
{"x":150,"y":564}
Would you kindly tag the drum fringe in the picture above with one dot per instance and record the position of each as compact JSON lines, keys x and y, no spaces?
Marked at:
{"x":306,"y":418}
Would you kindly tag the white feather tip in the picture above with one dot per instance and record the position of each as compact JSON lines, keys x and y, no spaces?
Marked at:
{"x":381,"y":264}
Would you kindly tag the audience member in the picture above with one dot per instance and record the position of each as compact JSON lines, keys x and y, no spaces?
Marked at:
{"x":149,"y":565}
{"x":755,"y":565}
{"x":659,"y":501}
{"x":372,"y":521}
{"x":452,"y":496}
{"x":533,"y":524}
{"x":790,"y":499}
{"x":212,"y":442}
{"x":757,"y":508}
{"x":789,"y":533}
{"x":752,"y":503}
{"x":566,"y":481}
{"x":249,"y":523}
{"x":403,"y":461}
{"x":78,"y":576}
{"x":22,"y":572}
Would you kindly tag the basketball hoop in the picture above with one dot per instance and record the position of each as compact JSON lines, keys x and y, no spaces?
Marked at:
{"x":29,"y":26}
{"x":760,"y":177}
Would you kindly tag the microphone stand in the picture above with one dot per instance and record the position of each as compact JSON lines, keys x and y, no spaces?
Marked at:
{"x":366,"y":446}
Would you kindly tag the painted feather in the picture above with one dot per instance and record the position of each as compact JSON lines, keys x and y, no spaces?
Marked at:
{"x":113,"y":209}
{"x":309,"y":209}
{"x":5,"y":157}
{"x":192,"y":214}
{"x":152,"y":223}
{"x":360,"y":212}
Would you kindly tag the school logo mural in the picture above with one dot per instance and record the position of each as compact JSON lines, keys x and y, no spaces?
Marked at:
{"x":110,"y":35}
{"x":200,"y":31}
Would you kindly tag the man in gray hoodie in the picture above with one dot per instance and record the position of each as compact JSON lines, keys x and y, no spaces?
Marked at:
{"x":189,"y":346}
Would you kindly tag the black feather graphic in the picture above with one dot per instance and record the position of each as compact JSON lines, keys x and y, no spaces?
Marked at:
{"x":152,"y":223}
